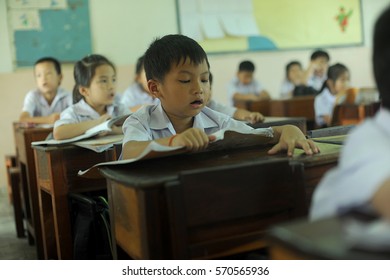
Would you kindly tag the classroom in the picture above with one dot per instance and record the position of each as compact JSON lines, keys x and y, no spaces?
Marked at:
{"x":123,"y":29}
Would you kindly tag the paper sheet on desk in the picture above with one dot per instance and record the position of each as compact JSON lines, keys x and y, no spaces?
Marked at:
{"x":154,"y":150}
{"x":371,"y":236}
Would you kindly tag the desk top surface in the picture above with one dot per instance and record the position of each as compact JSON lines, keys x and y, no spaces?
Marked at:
{"x":150,"y":172}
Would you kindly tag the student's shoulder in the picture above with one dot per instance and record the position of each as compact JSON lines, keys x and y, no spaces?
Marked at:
{"x":33,"y":93}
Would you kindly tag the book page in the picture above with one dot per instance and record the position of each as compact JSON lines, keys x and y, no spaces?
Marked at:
{"x":225,"y":139}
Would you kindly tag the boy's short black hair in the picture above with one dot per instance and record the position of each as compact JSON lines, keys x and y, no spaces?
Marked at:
{"x":56,"y":63}
{"x":381,"y":56}
{"x":319,"y":53}
{"x":170,"y":49}
{"x":247,"y":66}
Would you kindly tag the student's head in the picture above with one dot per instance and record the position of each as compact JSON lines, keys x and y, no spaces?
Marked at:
{"x":381,"y":56}
{"x":47,"y":72}
{"x":321,"y":60}
{"x":338,"y":79}
{"x":95,"y":80}
{"x":177,"y":70}
{"x":294,"y":72}
{"x":245,"y":72}
{"x":140,"y":76}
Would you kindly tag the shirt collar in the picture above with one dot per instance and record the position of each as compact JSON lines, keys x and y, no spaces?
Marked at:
{"x":159,"y":120}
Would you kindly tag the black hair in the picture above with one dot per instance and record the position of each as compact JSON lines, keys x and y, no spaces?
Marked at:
{"x":56,"y":63}
{"x":246,"y":65}
{"x":210,"y":79}
{"x":164,"y":52}
{"x":381,"y":57}
{"x":140,"y":65}
{"x":84,"y":71}
{"x":319,"y":53}
{"x":334,"y":72}
{"x":291,"y":64}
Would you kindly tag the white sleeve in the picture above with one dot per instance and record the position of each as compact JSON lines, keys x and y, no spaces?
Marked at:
{"x":29,"y":103}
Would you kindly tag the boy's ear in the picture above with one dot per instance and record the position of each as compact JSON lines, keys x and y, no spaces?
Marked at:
{"x":59,"y":79}
{"x":154,"y":89}
{"x":330,"y":85}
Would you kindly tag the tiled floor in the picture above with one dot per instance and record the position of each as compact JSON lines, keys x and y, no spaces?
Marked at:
{"x":11,"y":247}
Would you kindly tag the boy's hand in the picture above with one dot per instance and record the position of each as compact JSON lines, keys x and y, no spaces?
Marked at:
{"x":290,"y":138}
{"x":194,"y":139}
{"x":254,"y":117}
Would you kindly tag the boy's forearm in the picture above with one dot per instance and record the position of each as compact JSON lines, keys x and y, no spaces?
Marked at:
{"x":133,"y":149}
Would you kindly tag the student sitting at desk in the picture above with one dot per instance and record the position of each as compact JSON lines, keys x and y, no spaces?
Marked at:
{"x":236,"y":113}
{"x":244,"y":86}
{"x":362,"y":178}
{"x":94,"y":92}
{"x":294,"y":84}
{"x":44,"y":104}
{"x":178,"y":72}
{"x":137,"y":94}
{"x":336,"y":84}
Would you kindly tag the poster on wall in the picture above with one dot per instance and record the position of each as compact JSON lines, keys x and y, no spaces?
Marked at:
{"x":58,"y":28}
{"x":255,"y":25}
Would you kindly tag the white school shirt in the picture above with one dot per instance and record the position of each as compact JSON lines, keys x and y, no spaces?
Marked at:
{"x":323,"y":105}
{"x":236,"y":87}
{"x":36,"y":105}
{"x":81,"y":111}
{"x":150,"y":122}
{"x":135,"y":95}
{"x":316,"y":82}
{"x":286,"y":89}
{"x":216,"y":106}
{"x":363,"y":166}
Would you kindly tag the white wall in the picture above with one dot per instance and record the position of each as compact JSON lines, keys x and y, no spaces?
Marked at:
{"x":122,"y":30}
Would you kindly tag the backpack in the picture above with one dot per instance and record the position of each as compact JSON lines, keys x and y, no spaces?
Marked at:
{"x":90,"y":227}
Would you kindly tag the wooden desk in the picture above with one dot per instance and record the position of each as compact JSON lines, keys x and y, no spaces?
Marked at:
{"x":138,"y":205}
{"x":323,"y":239}
{"x":302,"y":106}
{"x":25,"y":160}
{"x":57,"y":169}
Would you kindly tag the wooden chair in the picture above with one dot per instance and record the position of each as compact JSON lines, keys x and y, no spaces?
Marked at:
{"x":226,"y":210}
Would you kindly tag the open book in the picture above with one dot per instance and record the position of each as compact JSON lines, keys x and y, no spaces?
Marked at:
{"x":225,"y":139}
{"x":96,"y":130}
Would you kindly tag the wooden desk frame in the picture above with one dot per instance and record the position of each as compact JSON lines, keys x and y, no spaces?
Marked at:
{"x":57,"y":169}
{"x":137,"y":195}
{"x":29,"y":192}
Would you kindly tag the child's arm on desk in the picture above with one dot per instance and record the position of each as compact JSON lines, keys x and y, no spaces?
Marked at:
{"x":71,"y":130}
{"x":193,"y":139}
{"x":380,"y":200}
{"x":289,"y":137}
{"x":26,"y":117}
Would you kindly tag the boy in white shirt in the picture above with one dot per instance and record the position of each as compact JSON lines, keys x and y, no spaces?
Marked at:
{"x":177,"y":70}
{"x":44,"y":104}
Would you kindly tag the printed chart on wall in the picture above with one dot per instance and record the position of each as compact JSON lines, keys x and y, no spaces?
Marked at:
{"x":58,"y":28}
{"x":255,"y":25}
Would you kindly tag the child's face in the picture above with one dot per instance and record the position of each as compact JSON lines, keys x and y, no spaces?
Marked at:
{"x":184,"y":90}
{"x":320,"y":66}
{"x":245,"y":77}
{"x":341,"y":84}
{"x":295,"y":74}
{"x":46,"y":77}
{"x":102,"y":88}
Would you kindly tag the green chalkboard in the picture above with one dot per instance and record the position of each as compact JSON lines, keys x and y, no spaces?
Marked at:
{"x":63,"y":33}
